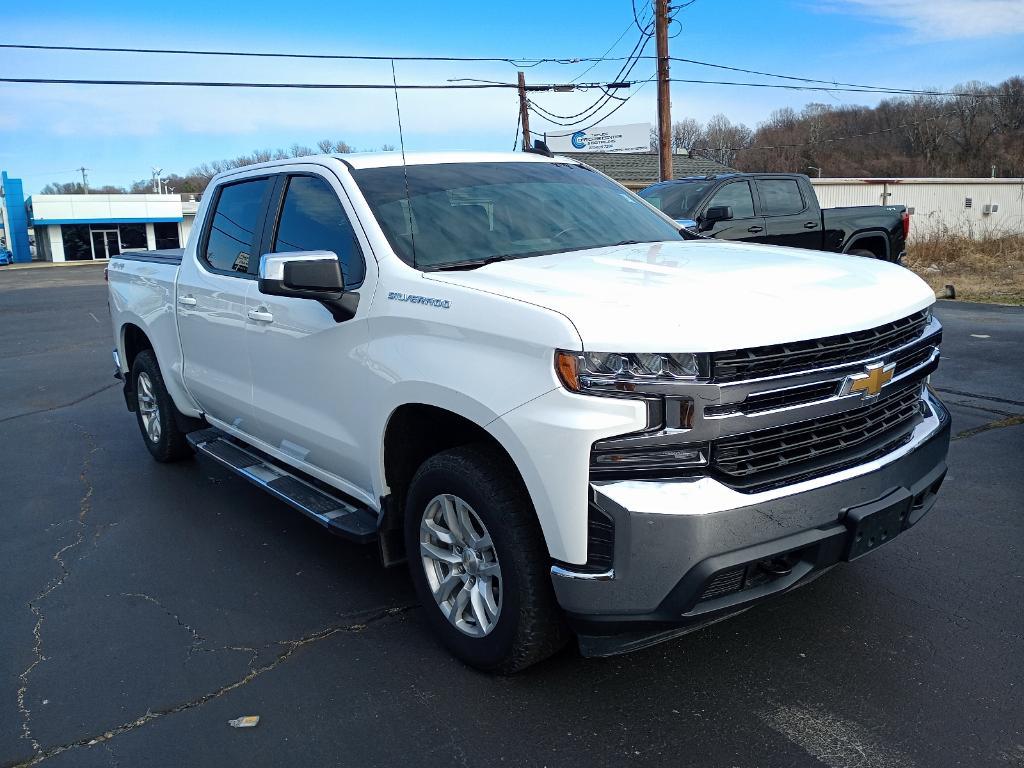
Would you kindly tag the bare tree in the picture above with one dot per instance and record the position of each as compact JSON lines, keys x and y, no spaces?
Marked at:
{"x":721,"y":140}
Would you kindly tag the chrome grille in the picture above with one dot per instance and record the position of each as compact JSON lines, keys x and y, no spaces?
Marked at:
{"x":776,"y":359}
{"x":818,"y":446}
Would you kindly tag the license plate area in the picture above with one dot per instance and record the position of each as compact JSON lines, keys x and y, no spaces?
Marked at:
{"x":872,"y":525}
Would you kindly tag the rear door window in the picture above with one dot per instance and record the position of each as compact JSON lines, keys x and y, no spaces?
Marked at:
{"x":312,"y":219}
{"x":234,"y":234}
{"x":737,"y":196}
{"x":780,"y":197}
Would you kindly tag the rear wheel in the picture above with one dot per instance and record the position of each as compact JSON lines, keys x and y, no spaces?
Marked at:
{"x":862,"y":252}
{"x":478,"y":561}
{"x":156,"y":411}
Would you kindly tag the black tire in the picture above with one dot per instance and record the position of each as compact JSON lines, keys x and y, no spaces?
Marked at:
{"x":862,"y":252}
{"x":530,"y":626}
{"x":169,"y":443}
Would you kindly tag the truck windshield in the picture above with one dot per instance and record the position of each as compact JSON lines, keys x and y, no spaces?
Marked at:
{"x":678,"y":199}
{"x":466,"y":214}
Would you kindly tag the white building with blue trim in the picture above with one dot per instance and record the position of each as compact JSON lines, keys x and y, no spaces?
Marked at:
{"x":93,"y":226}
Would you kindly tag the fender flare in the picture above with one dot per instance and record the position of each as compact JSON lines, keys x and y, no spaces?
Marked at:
{"x":868,"y":234}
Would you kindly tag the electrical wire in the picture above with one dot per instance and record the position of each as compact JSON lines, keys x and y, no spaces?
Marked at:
{"x":518,"y":62}
{"x":784,"y":86}
{"x":328,"y":86}
{"x":645,"y":29}
{"x":609,"y":114}
{"x":472,"y":86}
{"x":602,"y":101}
{"x":604,"y":56}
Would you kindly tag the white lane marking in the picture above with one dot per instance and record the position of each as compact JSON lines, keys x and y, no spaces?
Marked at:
{"x":980,"y":336}
{"x":94,"y":318}
{"x":835,"y":742}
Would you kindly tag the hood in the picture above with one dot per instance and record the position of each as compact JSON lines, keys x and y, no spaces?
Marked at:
{"x":703,"y":295}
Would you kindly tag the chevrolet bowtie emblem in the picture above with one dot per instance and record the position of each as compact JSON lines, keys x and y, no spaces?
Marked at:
{"x":869,"y":383}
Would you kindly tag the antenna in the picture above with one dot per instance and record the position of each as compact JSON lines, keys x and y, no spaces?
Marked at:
{"x":405,"y":170}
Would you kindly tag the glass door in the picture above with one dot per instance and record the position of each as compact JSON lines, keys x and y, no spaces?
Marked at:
{"x":105,"y":243}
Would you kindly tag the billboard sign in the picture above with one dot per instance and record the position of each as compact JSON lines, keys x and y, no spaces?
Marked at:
{"x":635,"y":137}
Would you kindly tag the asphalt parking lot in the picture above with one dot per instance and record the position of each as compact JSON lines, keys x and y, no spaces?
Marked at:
{"x":145,"y":605}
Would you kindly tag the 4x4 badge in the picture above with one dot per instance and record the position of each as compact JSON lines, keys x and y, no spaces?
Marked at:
{"x":869,"y":383}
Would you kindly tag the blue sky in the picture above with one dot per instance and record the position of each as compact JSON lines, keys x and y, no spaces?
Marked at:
{"x":120,"y":132}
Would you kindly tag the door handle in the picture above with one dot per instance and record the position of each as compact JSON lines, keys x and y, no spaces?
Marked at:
{"x":187,"y":301}
{"x":261,"y":316}
{"x":810,"y":225}
{"x":755,"y":229}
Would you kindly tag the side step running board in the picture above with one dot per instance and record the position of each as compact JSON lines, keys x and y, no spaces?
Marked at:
{"x":345,"y":518}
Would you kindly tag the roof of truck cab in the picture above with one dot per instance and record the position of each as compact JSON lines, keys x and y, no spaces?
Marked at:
{"x":362,"y":160}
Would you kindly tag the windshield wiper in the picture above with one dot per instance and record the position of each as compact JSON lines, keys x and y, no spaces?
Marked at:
{"x":475,"y":263}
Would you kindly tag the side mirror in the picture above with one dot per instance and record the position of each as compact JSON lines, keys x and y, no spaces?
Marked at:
{"x":312,"y":275}
{"x":715,"y":214}
{"x":690,"y":230}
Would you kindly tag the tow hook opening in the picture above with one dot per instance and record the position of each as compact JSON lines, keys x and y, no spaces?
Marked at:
{"x":777,"y":566}
{"x":754,"y":575}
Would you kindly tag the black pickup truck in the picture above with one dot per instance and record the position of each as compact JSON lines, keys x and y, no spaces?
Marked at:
{"x":780,"y":209}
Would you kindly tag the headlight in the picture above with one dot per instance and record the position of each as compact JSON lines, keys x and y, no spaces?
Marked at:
{"x":612,"y":373}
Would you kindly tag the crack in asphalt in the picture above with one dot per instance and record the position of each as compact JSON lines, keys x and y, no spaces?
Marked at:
{"x":982,"y":408}
{"x":979,"y":397}
{"x":1010,"y":421}
{"x":197,"y":639}
{"x":290,"y":647}
{"x":58,"y":407}
{"x":84,"y":506}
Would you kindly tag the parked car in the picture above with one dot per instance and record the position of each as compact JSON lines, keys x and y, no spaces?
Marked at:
{"x":516,"y":376}
{"x":6,"y":257}
{"x":781,"y":209}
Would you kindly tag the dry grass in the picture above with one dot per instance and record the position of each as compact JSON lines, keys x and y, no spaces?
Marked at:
{"x":989,"y":269}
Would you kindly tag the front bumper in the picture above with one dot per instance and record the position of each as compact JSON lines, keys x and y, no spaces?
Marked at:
{"x":690,"y":551}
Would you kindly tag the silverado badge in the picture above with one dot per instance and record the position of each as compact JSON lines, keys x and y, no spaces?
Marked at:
{"x":869,"y":383}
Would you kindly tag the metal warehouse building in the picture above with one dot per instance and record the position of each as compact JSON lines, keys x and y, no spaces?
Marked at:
{"x":971,"y":207}
{"x":93,"y":226}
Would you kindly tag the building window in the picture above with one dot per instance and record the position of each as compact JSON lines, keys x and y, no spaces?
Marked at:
{"x":77,"y":243}
{"x":133,"y":237}
{"x":166,"y":233}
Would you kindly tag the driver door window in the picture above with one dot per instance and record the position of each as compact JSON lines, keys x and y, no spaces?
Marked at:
{"x":312,"y":219}
{"x":743,"y":225}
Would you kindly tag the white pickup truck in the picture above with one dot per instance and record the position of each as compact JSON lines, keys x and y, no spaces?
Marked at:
{"x":517,"y":376}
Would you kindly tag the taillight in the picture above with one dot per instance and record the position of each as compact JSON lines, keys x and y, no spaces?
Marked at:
{"x":905,"y":216}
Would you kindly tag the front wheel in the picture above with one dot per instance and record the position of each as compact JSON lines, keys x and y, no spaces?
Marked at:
{"x":478,"y":561}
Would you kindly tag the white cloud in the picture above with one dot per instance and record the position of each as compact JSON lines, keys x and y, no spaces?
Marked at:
{"x":932,"y":20}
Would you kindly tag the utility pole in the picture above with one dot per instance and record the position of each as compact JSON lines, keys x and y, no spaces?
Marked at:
{"x":85,"y":179}
{"x":664,"y":97}
{"x":524,"y":112}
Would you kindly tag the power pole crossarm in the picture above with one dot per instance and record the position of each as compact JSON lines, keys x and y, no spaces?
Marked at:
{"x":524,"y":112}
{"x":664,"y":95}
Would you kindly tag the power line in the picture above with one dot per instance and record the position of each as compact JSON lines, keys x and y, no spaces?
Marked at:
{"x":523,"y":62}
{"x":517,"y":62}
{"x":329,"y":86}
{"x":784,"y":86}
{"x":612,"y":112}
{"x":474,"y":85}
{"x":604,"y":56}
{"x":602,"y":101}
